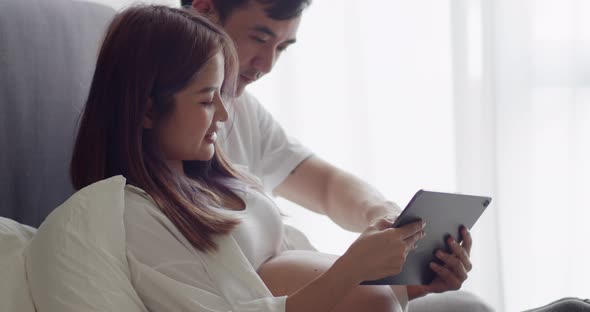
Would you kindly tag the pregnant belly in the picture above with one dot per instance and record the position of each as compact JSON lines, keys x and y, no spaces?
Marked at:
{"x":292,"y":270}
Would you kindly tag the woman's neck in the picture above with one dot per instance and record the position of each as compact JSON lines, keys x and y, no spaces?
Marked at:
{"x":176,"y":167}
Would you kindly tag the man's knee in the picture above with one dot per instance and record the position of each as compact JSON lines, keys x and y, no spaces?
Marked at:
{"x":450,"y":301}
{"x":371,"y":298}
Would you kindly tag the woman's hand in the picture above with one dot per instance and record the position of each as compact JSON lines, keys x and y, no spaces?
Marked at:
{"x":453,"y":272}
{"x":381,"y":250}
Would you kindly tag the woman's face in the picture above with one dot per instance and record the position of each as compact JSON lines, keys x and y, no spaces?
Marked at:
{"x":189,"y":131}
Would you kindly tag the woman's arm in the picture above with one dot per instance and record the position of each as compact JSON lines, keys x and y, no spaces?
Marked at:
{"x":326,"y":291}
{"x":379,"y":251}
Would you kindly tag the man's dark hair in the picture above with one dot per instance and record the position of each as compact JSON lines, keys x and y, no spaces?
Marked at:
{"x":275,"y":9}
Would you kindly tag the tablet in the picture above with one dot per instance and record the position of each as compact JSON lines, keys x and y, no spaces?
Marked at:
{"x":444,"y":214}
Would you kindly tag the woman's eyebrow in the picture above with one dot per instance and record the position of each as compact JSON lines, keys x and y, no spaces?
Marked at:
{"x":207,"y":89}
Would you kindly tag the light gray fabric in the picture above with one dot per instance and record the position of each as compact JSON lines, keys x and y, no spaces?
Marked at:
{"x":48,"y":51}
{"x":568,"y":304}
{"x":451,"y":301}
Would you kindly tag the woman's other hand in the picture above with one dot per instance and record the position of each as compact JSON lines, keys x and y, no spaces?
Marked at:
{"x":381,"y":250}
{"x":454,"y":270}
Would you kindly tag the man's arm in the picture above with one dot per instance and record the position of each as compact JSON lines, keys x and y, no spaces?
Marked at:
{"x":325,"y":189}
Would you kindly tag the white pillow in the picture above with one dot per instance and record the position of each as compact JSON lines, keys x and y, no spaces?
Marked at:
{"x":77,"y":260}
{"x":14,"y":292}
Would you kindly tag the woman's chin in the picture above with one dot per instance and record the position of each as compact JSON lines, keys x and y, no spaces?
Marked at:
{"x":205,"y":154}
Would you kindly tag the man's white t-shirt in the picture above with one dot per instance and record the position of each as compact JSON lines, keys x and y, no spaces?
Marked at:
{"x":253,"y":138}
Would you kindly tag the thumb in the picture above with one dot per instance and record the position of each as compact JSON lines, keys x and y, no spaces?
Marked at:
{"x":381,"y":224}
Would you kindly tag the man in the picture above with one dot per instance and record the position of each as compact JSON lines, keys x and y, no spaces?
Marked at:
{"x":262,"y":30}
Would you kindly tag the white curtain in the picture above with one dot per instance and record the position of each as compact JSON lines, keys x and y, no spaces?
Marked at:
{"x":475,"y":96}
{"x":538,"y":67}
{"x":485,"y":97}
{"x":522,"y":97}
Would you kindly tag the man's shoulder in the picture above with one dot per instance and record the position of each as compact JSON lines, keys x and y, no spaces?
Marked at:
{"x":247,"y":105}
{"x":247,"y":98}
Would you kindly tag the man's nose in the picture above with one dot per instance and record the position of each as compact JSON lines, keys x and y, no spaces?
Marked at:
{"x":265,"y":61}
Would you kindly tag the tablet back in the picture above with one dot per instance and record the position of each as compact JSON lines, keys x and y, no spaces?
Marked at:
{"x":444,"y":214}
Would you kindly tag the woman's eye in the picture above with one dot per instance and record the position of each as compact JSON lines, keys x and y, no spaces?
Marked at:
{"x":207,"y":103}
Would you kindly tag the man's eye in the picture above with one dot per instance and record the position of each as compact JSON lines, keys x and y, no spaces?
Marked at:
{"x":282,"y":49}
{"x":258,"y":39}
{"x":207,"y":103}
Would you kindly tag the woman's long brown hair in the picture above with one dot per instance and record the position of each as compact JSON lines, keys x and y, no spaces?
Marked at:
{"x":149,"y":53}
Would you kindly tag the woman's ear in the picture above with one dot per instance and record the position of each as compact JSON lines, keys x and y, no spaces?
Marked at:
{"x":207,"y":9}
{"x":148,"y":118}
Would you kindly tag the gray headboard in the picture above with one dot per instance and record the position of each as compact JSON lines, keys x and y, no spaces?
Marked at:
{"x":48,"y":51}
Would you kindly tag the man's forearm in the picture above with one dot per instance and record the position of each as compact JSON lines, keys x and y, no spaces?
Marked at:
{"x":346,"y":199}
{"x":353,"y":203}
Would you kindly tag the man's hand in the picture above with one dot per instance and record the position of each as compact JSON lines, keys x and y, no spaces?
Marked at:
{"x":453,"y":273}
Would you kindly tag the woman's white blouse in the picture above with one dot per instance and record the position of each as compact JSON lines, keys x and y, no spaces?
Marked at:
{"x":260,"y":233}
{"x":169,"y":274}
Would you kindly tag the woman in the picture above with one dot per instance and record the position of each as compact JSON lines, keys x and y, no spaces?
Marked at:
{"x":200,"y":232}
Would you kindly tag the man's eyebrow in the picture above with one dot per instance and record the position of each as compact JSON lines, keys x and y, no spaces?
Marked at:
{"x":267,"y":31}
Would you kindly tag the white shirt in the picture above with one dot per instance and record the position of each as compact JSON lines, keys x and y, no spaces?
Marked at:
{"x":260,"y":233}
{"x":252,"y":138}
{"x":169,"y":274}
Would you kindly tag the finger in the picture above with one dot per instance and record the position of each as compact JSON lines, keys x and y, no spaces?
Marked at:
{"x":381,"y":224}
{"x":412,"y":241}
{"x":467,"y":240}
{"x":460,"y":252}
{"x":453,"y":264}
{"x":410,"y":229}
{"x":447,"y":276}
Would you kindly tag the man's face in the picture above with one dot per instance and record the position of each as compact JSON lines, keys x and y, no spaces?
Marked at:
{"x":259,"y":40}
